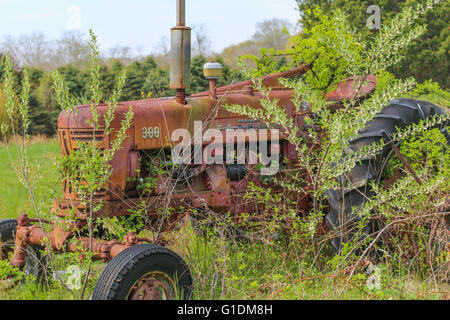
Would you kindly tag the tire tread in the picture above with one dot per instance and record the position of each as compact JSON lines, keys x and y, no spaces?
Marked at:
{"x":122,"y":265}
{"x":398,"y":114}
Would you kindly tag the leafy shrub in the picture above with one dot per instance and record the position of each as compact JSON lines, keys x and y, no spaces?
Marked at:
{"x":334,"y":51}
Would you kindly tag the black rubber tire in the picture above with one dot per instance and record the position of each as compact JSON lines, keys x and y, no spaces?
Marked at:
{"x":34,"y":262}
{"x":120,"y":275}
{"x":354,"y":186}
{"x":8,"y":230}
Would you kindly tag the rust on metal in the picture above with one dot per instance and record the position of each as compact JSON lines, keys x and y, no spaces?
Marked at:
{"x":353,"y":88}
{"x":180,"y":54}
{"x":168,"y":115}
{"x":213,"y":88}
{"x":209,"y":188}
{"x":181,"y":12}
{"x":34,"y":235}
{"x":152,"y":286}
{"x":199,"y":187}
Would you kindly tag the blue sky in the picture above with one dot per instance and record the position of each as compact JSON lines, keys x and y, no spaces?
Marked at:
{"x":141,"y":24}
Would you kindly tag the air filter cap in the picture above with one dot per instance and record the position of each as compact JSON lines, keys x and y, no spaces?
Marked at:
{"x":212,"y":70}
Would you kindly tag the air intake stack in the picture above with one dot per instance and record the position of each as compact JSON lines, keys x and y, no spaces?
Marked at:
{"x":180,"y":61}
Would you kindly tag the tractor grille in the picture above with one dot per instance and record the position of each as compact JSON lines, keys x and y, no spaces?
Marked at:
{"x":69,"y":140}
{"x":64,"y":142}
{"x":69,"y":194}
{"x":88,"y":135}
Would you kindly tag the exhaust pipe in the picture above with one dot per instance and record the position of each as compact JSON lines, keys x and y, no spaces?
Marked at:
{"x":180,"y":54}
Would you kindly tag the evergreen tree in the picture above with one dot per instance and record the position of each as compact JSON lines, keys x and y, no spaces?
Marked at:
{"x":198,"y":81}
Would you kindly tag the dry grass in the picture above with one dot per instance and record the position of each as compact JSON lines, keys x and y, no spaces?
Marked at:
{"x":18,"y":140}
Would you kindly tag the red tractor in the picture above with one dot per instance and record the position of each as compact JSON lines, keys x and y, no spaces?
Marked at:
{"x":137,"y":269}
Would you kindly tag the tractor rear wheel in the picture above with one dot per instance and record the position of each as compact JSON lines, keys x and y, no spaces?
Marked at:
{"x":144,"y":272}
{"x":355,"y":188}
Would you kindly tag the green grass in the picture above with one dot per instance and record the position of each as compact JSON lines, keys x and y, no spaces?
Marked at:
{"x":255,"y":271}
{"x":281,"y":271}
{"x":14,"y":197}
{"x":222,"y":269}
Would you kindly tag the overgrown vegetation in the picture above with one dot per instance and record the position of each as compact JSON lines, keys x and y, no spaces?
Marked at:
{"x":424,"y":59}
{"x":277,"y":253}
{"x":403,"y":223}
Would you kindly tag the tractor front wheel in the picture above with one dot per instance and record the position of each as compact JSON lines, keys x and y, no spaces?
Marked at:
{"x":144,"y":272}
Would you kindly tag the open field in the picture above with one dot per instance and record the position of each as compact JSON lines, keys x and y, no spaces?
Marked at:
{"x":222,"y":269}
{"x":14,"y":197}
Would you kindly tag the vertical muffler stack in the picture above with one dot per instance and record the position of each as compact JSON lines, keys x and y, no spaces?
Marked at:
{"x":180,"y":60}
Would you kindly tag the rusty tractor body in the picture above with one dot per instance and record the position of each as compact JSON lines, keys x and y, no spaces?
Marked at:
{"x":219,"y":188}
{"x":213,"y":186}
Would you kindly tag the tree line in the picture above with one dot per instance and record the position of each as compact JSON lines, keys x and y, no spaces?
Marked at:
{"x":147,"y":76}
{"x":427,"y":58}
{"x":145,"y":79}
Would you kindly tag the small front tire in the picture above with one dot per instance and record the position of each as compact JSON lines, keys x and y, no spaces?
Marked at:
{"x":145,"y":272}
